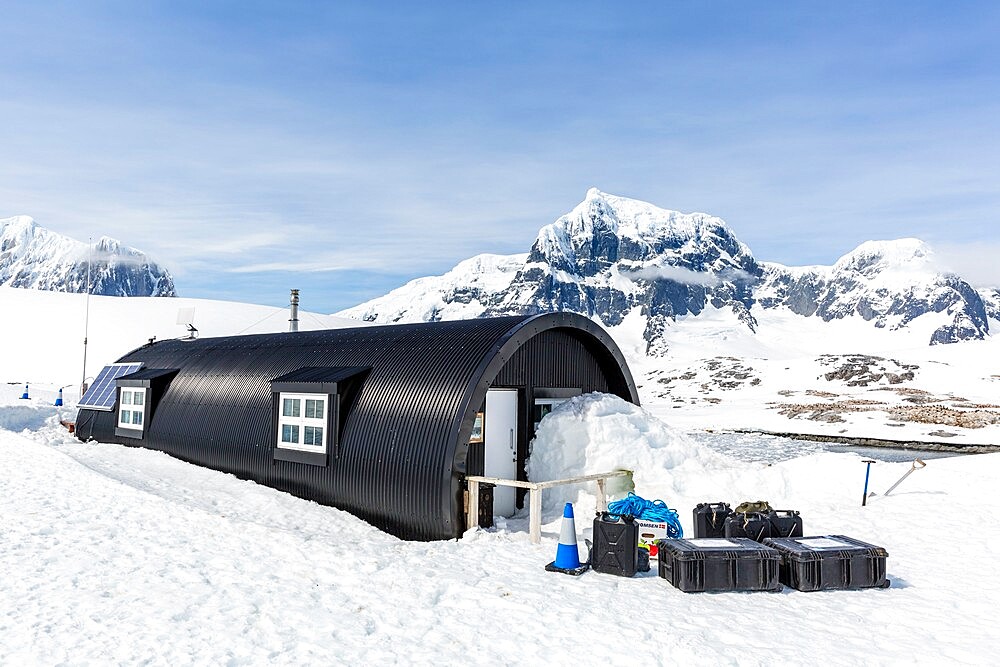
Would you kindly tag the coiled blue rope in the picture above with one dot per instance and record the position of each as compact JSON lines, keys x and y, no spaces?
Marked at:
{"x":648,"y":510}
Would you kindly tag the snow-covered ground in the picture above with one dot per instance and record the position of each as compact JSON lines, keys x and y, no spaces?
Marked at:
{"x":719,"y":375}
{"x":117,"y":555}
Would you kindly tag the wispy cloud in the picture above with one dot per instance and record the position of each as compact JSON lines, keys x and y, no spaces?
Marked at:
{"x":976,"y":263}
{"x":686,"y":276}
{"x":292,"y":266}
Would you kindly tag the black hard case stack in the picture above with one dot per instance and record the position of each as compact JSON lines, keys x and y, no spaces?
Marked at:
{"x":710,"y":519}
{"x":718,"y":564}
{"x":830,"y":562}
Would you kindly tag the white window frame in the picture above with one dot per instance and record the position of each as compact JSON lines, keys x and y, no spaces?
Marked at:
{"x":302,"y":422}
{"x":127,"y":408}
{"x":553,"y":403}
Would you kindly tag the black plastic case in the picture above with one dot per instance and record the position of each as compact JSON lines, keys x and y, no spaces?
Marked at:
{"x":830,"y":562}
{"x":616,"y":545}
{"x":754,"y":526}
{"x":785,"y":523}
{"x":710,"y":519}
{"x":719,"y":564}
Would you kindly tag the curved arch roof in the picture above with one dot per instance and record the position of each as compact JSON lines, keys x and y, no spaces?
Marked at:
{"x":403,"y":447}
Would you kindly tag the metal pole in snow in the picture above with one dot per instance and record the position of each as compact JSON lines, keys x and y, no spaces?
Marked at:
{"x":86,"y":320}
{"x":868,"y":469}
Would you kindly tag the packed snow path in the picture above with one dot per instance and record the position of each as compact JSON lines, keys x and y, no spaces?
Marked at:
{"x":115,"y":555}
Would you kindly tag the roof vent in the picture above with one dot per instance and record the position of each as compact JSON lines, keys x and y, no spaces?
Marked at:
{"x":293,"y":321}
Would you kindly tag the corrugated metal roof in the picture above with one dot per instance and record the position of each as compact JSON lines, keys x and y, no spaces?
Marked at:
{"x":405,"y":433}
{"x":148,"y":374}
{"x":322,"y":374}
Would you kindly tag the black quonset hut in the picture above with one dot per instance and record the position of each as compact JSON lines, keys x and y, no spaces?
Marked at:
{"x":381,"y":421}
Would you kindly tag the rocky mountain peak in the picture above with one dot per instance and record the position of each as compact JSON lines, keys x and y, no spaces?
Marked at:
{"x":606,"y":229}
{"x":889,"y":283}
{"x":872,"y":258}
{"x":611,"y":256}
{"x":106,"y":244}
{"x":32,"y":256}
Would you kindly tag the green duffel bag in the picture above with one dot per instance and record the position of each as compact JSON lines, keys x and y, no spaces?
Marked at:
{"x":761,"y":506}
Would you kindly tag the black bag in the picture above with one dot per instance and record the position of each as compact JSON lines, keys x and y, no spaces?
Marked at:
{"x":710,"y":519}
{"x":643,"y":559}
{"x":754,"y":525}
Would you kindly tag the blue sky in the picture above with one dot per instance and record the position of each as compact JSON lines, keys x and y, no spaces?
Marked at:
{"x":343,"y":148}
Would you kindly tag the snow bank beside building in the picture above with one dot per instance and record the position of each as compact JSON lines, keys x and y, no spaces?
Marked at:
{"x":600,"y":432}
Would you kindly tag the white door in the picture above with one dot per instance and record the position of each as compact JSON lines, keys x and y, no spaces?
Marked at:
{"x":500,"y":443}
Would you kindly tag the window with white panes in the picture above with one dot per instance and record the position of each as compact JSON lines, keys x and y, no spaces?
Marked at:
{"x":302,"y":422}
{"x":131,"y":407}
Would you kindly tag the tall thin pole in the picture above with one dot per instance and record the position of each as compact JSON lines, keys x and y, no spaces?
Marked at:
{"x":293,"y":322}
{"x":864,"y":497}
{"x":86,"y":320}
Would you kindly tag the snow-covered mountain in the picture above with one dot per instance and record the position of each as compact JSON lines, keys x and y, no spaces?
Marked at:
{"x":34,"y":257}
{"x":612,"y":256}
{"x":991,"y":301}
{"x":466,"y":291}
{"x":890,"y":283}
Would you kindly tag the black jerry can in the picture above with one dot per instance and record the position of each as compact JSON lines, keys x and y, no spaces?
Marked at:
{"x":616,"y":545}
{"x":753,"y":525}
{"x":710,"y":519}
{"x":785,"y":523}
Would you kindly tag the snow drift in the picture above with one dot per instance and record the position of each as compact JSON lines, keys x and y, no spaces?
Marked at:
{"x":597,"y":433}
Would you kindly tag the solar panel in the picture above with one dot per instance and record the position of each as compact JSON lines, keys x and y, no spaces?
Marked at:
{"x":101,"y":394}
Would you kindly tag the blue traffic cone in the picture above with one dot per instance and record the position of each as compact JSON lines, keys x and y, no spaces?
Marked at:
{"x":567,"y":555}
{"x":25,"y":394}
{"x":59,"y":400}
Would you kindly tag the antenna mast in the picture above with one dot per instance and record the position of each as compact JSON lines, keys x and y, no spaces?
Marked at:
{"x":86,"y":319}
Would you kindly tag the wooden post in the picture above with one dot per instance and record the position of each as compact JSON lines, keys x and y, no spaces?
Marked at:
{"x":535,"y":496}
{"x":535,"y":514}
{"x":472,"y":518}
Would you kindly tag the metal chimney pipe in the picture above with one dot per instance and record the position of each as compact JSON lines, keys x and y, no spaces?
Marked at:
{"x":293,"y":321}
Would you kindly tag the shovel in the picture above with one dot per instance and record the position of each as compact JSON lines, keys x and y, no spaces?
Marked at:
{"x":917,"y":465}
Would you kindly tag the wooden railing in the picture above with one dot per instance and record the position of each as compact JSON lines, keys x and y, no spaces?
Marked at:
{"x":535,"y":496}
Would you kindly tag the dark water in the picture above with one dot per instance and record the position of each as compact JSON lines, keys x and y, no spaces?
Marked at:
{"x":772,"y":449}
